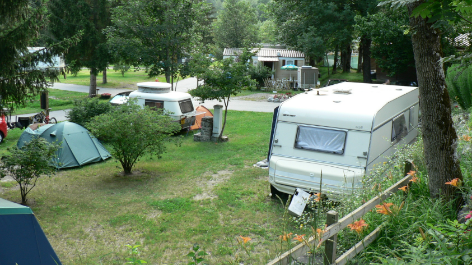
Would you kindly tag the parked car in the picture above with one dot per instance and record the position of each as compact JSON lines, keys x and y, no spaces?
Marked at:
{"x":3,"y":128}
{"x":120,"y":98}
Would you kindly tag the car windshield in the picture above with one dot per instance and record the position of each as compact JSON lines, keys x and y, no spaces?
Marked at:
{"x":119,"y":99}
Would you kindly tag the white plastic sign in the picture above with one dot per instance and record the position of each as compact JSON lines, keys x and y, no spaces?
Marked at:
{"x":299,"y":200}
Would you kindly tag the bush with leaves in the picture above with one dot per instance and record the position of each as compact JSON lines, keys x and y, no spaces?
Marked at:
{"x":85,"y":109}
{"x":26,"y":164}
{"x":133,"y":131}
{"x":459,"y":85}
{"x":260,"y":72}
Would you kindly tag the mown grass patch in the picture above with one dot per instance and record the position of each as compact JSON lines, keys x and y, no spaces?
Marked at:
{"x":114,"y":79}
{"x":58,"y":100}
{"x":203,"y":193}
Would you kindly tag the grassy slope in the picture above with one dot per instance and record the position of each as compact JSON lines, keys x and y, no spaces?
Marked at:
{"x":90,"y":213}
{"x":58,"y":100}
{"x":114,"y":79}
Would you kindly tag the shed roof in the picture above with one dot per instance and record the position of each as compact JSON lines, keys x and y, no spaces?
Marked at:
{"x":266,"y":52}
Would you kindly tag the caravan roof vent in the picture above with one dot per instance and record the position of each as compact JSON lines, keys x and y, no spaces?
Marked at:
{"x":154,"y":87}
{"x":342,"y":90}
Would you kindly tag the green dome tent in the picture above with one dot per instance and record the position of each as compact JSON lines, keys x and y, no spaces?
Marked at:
{"x":78,"y":146}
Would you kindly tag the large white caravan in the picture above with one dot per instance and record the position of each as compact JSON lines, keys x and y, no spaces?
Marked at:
{"x":337,"y":134}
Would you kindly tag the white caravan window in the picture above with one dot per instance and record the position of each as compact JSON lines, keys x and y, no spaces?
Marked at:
{"x":320,"y":139}
{"x":399,"y":129}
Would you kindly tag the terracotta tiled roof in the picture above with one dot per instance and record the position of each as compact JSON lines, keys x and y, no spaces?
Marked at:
{"x":266,"y":52}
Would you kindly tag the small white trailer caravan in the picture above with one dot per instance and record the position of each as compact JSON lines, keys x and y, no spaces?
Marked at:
{"x":341,"y":132}
{"x":157,"y":95}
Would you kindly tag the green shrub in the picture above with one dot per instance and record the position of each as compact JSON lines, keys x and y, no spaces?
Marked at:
{"x":85,"y":109}
{"x":459,"y":85}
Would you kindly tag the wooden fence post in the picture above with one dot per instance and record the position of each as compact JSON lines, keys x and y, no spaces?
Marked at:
{"x":330,"y":244}
{"x":408,"y":167}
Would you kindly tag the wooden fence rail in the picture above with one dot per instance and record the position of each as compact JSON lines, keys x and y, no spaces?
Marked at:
{"x":329,"y":236}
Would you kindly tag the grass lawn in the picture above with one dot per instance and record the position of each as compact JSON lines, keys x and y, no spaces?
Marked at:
{"x":203,"y":193}
{"x":58,"y":100}
{"x":114,"y":79}
{"x":353,"y":76}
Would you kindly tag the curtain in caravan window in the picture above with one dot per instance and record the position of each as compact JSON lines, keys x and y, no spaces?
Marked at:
{"x":399,"y":129}
{"x":319,"y":139}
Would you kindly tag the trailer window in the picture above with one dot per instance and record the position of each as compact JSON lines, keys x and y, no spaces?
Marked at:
{"x":320,"y":139}
{"x":154,"y":104}
{"x":186,"y":105}
{"x":399,"y":129}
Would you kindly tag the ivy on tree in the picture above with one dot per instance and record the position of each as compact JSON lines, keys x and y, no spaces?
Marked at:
{"x":133,"y":131}
{"x":26,"y":164}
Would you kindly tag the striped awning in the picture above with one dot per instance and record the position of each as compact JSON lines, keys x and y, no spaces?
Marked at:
{"x":268,"y":59}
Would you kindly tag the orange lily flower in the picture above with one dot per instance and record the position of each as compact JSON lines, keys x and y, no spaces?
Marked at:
{"x":318,"y":197}
{"x":412,"y":173}
{"x":384,"y":208}
{"x":415,"y":179}
{"x":299,"y":238}
{"x":404,"y":188}
{"x":243,"y":239}
{"x":358,"y":226}
{"x":285,"y":236}
{"x":466,"y":138}
{"x":455,"y":182}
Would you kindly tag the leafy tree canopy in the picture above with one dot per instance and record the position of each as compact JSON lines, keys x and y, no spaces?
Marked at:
{"x":25,"y":165}
{"x":133,"y":131}
{"x":223,"y":79}
{"x":91,"y":17}
{"x":158,"y":33}
{"x":20,"y":78}
{"x":236,"y":26}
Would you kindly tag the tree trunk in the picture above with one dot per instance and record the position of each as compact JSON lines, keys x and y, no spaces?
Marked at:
{"x":346,"y":58}
{"x":439,"y":135}
{"x":366,"y":60}
{"x":93,"y":85}
{"x":359,"y":58}
{"x":335,"y":62}
{"x":104,"y":81}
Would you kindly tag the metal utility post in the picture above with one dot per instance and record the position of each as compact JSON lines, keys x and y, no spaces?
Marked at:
{"x":44,"y":98}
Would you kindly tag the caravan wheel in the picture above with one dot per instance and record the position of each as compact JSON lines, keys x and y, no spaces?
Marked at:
{"x":275,"y":193}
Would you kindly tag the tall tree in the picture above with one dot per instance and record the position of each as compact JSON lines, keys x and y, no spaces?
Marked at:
{"x":158,"y":33}
{"x":20,"y":79}
{"x":236,"y":26}
{"x":90,"y":16}
{"x":391,"y":47}
{"x":316,"y":27}
{"x":439,"y":135}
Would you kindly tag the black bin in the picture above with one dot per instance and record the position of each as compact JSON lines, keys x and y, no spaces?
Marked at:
{"x":24,"y":121}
